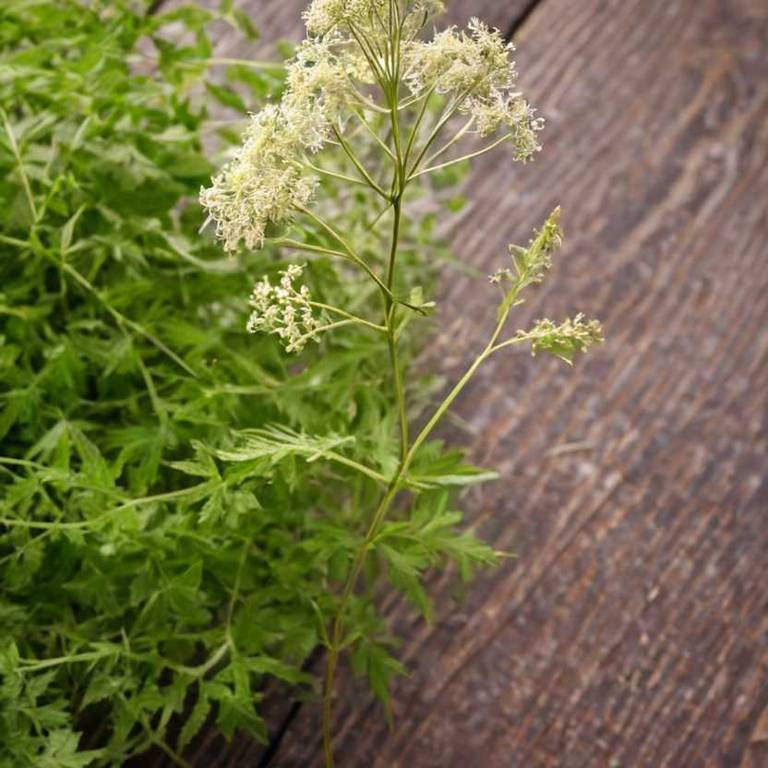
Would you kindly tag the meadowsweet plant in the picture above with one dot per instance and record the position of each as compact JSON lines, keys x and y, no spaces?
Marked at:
{"x":372,"y":101}
{"x":155,"y":572}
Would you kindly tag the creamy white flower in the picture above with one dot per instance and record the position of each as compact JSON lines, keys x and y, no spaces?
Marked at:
{"x":267,"y":181}
{"x":512,"y":113}
{"x":501,"y":274}
{"x":474,"y":67}
{"x":284,"y":310}
{"x":262,"y":185}
{"x":324,"y":16}
{"x":460,"y":62}
{"x":318,"y":87}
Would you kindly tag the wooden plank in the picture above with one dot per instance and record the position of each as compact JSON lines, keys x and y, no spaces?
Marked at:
{"x":501,"y":14}
{"x":281,"y":20}
{"x":632,"y":628}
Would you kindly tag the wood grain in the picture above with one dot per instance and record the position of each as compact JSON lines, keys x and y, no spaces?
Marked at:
{"x":281,"y":20}
{"x":632,"y":628}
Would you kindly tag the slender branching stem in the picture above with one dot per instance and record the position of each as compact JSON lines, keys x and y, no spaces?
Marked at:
{"x":457,"y":137}
{"x":327,"y":327}
{"x":337,"y":628}
{"x":287,"y":242}
{"x":417,"y":125}
{"x":441,"y":123}
{"x":348,"y":253}
{"x":390,"y":322}
{"x":341,"y":240}
{"x":375,"y":135}
{"x":461,"y":159}
{"x":335,"y":174}
{"x":370,"y":56}
{"x":356,"y":162}
{"x":348,"y":315}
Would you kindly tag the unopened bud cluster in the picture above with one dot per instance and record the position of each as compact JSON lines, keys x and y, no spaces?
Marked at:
{"x":532,"y":263}
{"x":566,"y":339}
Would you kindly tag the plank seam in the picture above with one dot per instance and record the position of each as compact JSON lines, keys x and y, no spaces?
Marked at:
{"x":273,"y":747}
{"x":519,"y":20}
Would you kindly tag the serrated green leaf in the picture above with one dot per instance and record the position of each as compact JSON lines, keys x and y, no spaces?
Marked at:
{"x":374,"y":661}
{"x":195,"y":720}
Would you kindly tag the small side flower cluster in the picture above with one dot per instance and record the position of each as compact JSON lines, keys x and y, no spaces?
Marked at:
{"x":284,"y":310}
{"x":533,"y":262}
{"x":511,"y":112}
{"x":564,"y":340}
{"x":474,"y":66}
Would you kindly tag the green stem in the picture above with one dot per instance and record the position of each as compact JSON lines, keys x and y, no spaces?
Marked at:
{"x":378,"y":518}
{"x":356,"y":162}
{"x":459,"y":134}
{"x":286,"y":242}
{"x":461,"y":159}
{"x":417,"y":125}
{"x":348,"y":315}
{"x":370,"y":56}
{"x":375,"y":135}
{"x":390,"y":321}
{"x":338,"y":621}
{"x":335,"y":174}
{"x":447,"y":115}
{"x":20,"y":165}
{"x":391,"y":324}
{"x":350,"y":254}
{"x":323,"y":328}
{"x":176,"y":758}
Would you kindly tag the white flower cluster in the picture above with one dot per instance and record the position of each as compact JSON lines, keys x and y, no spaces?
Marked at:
{"x":317,"y":89}
{"x":265,"y":181}
{"x":284,"y":310}
{"x":455,"y":61}
{"x":324,"y":16}
{"x":261,"y":185}
{"x":474,"y":66}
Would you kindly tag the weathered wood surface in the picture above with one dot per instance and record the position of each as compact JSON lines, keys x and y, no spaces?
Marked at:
{"x":632,"y":629}
{"x":281,"y":19}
